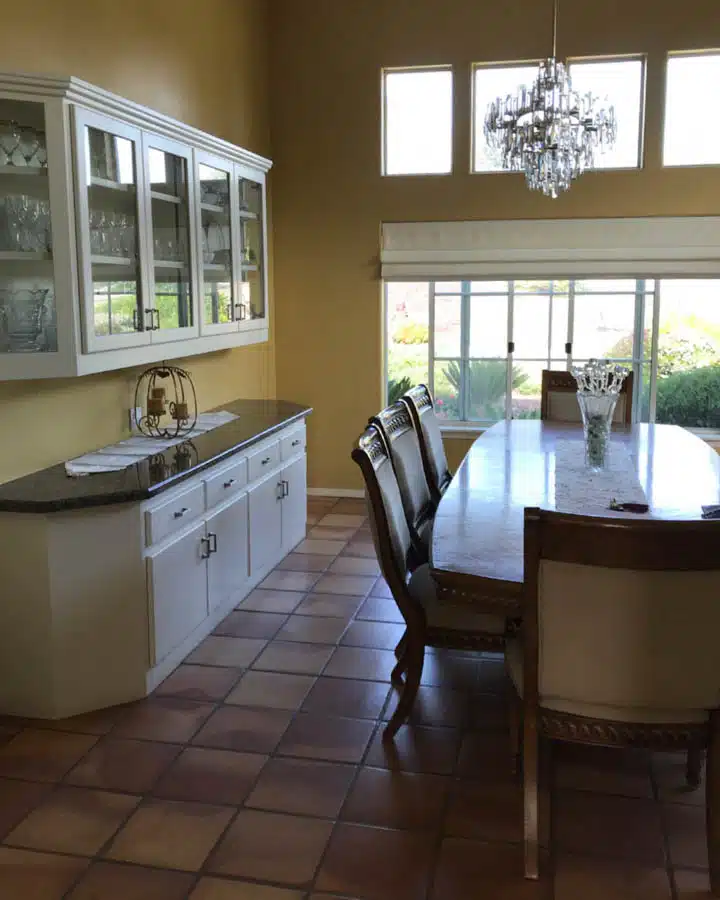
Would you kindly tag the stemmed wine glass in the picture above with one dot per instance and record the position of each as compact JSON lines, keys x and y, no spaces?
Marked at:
{"x":9,"y":140}
{"x":29,"y":142}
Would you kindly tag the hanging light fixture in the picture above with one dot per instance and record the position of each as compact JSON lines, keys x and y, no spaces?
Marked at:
{"x":548,"y":130}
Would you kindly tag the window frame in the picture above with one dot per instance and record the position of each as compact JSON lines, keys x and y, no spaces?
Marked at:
{"x":571,"y":60}
{"x":469,"y":427}
{"x":399,"y":70}
{"x":682,"y":54}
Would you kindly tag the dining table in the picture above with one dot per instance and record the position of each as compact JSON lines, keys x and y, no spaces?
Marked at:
{"x":477,"y":543}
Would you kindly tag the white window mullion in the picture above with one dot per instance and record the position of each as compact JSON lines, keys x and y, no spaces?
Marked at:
{"x":510,"y":355}
{"x":465,"y":350}
{"x":571,"y":322}
{"x":431,"y":339}
{"x":637,"y":350}
{"x":657,"y":298}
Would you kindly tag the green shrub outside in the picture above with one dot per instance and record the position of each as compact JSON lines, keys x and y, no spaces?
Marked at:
{"x":690,"y":398}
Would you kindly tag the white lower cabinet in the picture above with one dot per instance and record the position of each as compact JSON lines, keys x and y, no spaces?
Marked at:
{"x":250,"y":511}
{"x":294,"y":504}
{"x":177,"y":581}
{"x":265,"y":509}
{"x":227,"y":532}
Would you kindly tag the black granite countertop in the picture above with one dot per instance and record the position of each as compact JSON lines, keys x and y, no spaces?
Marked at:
{"x":52,"y":490}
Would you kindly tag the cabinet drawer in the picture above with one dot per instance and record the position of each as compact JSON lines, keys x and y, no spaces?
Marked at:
{"x":226,"y":483}
{"x":263,"y":461}
{"x":174,"y":514}
{"x":292,"y":444}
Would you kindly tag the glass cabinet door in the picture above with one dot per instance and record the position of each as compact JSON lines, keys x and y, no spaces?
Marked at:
{"x":110,"y":197}
{"x":171,"y":314}
{"x":220,"y":311}
{"x":252,"y":283}
{"x":28,"y":321}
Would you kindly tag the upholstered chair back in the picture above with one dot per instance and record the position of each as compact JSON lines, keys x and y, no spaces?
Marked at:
{"x":422,"y":410}
{"x":558,"y":400}
{"x":402,"y":441}
{"x":388,"y":524}
{"x":628,"y":616}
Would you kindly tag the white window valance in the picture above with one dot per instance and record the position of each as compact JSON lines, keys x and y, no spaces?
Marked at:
{"x":529,"y":248}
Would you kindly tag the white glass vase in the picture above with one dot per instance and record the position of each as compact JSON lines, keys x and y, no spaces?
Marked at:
{"x":597,"y":415}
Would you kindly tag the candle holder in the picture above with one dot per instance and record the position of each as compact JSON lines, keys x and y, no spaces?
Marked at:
{"x":167,"y":397}
{"x":599,"y":383}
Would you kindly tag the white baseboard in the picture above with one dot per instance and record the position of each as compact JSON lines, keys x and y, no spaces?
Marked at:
{"x":336,"y":492}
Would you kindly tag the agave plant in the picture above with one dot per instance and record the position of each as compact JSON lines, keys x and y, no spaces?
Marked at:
{"x":397,"y":387}
{"x":486,"y":384}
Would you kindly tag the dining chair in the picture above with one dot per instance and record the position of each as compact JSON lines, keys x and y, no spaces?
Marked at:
{"x":403,"y":443}
{"x":558,"y":402}
{"x":618,"y":647}
{"x":427,"y":622}
{"x":419,"y":401}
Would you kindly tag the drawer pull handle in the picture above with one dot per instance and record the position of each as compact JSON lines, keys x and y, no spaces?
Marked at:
{"x":296,"y":443}
{"x":178,"y":514}
{"x":229,"y":483}
{"x":264,"y":462}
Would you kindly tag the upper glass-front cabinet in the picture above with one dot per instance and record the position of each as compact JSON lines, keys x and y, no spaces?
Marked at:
{"x":172,"y":314}
{"x":28,"y":320}
{"x":111,"y":232}
{"x":220,"y":310}
{"x":252,"y":217}
{"x":126,"y":237}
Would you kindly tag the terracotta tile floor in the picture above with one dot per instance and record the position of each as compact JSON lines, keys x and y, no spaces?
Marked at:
{"x":257,"y":771}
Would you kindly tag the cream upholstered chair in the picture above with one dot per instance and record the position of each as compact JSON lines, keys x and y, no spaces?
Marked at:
{"x":619,"y":646}
{"x":420,"y":403}
{"x":558,"y":402}
{"x":426,"y":621}
{"x":402,"y":440}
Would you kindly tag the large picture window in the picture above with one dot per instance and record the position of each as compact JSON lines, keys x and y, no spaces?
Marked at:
{"x":482,"y":345}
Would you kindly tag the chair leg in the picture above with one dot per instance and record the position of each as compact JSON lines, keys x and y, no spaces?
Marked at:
{"x":693,"y":766}
{"x":400,"y":668}
{"x":712,"y":803}
{"x":401,"y":645}
{"x":530,"y":793}
{"x":415,"y":656}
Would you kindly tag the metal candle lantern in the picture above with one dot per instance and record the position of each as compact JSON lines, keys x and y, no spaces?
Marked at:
{"x":162,"y":392}
{"x":599,"y":383}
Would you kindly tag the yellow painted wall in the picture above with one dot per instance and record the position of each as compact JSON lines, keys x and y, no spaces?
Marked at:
{"x":329,"y":198}
{"x":204,"y":63}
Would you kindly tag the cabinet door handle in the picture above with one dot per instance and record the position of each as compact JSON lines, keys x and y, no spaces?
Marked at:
{"x":240,"y":313}
{"x":204,"y":547}
{"x":296,"y":443}
{"x":281,"y":490}
{"x":178,"y":514}
{"x":286,"y":488}
{"x":148,"y":320}
{"x":212,"y":542}
{"x":229,"y":483}
{"x":156,"y":317}
{"x":264,"y":462}
{"x":136,"y":320}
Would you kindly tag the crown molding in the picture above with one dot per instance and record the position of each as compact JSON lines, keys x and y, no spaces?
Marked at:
{"x":75,"y":90}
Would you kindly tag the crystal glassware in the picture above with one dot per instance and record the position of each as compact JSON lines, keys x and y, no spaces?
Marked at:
{"x":22,"y":314}
{"x":9,"y":140}
{"x":28,"y":143}
{"x":40,"y":158}
{"x":599,"y":383}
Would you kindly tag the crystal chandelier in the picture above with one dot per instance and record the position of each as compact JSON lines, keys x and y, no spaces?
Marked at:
{"x":548,"y":130}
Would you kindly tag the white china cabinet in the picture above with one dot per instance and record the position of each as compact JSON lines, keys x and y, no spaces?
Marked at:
{"x":126,"y":237}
